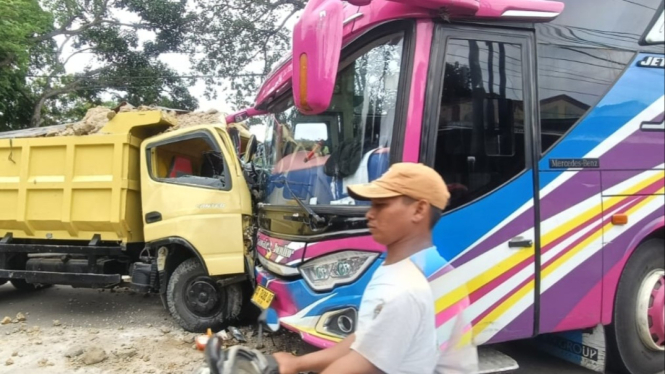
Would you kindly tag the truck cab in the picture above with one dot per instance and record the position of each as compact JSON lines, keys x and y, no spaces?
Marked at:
{"x":164,"y":210}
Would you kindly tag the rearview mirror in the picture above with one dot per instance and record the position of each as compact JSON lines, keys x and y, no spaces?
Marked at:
{"x":317,"y":45}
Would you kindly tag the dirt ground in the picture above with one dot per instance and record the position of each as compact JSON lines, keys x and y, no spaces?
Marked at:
{"x":70,"y":330}
{"x":137,"y":335}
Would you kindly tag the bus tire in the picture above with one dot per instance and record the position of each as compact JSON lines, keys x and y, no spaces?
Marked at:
{"x":636,"y":334}
{"x":197,"y":301}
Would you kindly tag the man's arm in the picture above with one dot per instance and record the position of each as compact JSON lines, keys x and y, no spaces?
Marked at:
{"x":316,"y":361}
{"x":352,"y":363}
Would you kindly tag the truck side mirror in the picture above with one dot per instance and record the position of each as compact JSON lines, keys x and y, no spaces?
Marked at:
{"x":250,"y":149}
{"x":234,"y":134}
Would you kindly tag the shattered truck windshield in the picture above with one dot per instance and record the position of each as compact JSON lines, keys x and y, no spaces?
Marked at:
{"x":314,"y":157}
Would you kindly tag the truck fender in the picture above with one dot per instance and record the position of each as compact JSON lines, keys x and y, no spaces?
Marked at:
{"x":171,"y":252}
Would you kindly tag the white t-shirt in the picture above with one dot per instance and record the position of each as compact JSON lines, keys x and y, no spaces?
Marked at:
{"x":395,"y":329}
{"x":455,"y":355}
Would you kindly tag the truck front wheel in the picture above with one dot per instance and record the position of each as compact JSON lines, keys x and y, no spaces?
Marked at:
{"x":197,"y":301}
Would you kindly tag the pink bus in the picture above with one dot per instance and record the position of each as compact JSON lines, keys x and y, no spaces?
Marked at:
{"x":545,"y":118}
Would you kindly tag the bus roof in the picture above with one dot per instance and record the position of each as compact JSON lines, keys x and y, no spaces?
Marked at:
{"x":357,"y":19}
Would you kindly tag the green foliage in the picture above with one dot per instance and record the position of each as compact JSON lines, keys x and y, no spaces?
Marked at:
{"x":128,"y":42}
{"x":20,"y":22}
{"x":126,"y":56}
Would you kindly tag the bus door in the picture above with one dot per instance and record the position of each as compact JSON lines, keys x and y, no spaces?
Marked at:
{"x":478,"y":134}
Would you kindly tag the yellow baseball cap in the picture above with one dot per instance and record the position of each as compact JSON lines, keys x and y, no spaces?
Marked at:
{"x":416,"y":181}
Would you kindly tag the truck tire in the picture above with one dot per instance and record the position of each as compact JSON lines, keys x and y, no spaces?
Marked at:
{"x":198,"y":302}
{"x":637,"y":334}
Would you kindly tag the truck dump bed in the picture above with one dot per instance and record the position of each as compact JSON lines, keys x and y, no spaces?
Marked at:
{"x":73,"y":187}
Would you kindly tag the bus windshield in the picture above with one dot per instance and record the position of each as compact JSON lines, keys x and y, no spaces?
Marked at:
{"x":314,"y":157}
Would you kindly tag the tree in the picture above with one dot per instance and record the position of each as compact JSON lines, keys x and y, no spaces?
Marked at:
{"x":122,"y":63}
{"x":233,"y":42}
{"x":20,"y":22}
{"x":240,"y":41}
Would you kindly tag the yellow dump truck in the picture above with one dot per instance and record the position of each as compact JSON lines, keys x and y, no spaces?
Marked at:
{"x":165,"y":211}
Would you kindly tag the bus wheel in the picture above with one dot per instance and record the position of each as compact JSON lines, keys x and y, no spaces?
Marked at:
{"x":196,"y":301}
{"x":637,"y":334}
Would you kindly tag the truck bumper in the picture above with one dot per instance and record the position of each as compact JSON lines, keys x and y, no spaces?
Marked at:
{"x":321,"y":318}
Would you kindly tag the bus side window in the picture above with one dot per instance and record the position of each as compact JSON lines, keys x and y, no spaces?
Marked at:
{"x":571,"y":81}
{"x":480,"y":142}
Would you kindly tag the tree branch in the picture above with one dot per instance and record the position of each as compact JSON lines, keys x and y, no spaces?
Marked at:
{"x":75,"y":53}
{"x":60,"y":48}
{"x":64,"y":31}
{"x":36,"y":119}
{"x":132,"y":25}
{"x":7,"y":61}
{"x":272,"y":33}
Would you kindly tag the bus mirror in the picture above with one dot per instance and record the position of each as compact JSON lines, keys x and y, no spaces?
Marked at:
{"x":317,"y":45}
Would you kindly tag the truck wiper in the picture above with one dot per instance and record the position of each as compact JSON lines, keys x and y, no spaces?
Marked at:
{"x":312,"y":218}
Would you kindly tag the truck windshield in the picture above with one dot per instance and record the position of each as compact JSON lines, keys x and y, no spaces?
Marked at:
{"x":319,"y":155}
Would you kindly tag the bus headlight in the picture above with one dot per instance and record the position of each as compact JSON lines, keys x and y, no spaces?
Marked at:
{"x":325,"y":273}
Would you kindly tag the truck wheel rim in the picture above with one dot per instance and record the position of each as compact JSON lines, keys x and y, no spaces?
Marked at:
{"x":202,"y":297}
{"x":651,"y":311}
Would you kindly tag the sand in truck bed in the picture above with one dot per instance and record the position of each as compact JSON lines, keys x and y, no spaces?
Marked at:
{"x":96,"y":118}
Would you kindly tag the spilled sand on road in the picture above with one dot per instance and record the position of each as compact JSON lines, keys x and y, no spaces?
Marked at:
{"x":131,"y":349}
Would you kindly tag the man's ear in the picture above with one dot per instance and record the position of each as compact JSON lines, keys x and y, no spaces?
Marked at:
{"x":421,"y":211}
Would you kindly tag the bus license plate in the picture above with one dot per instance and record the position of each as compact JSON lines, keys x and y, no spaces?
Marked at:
{"x":262,"y":297}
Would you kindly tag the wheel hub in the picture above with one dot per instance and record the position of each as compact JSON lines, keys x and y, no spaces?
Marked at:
{"x":651,"y":311}
{"x":202,"y":297}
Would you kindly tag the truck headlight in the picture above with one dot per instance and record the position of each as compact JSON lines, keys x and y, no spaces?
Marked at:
{"x":324,"y":273}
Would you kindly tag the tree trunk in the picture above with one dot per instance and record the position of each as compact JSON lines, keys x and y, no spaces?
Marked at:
{"x":36,"y":120}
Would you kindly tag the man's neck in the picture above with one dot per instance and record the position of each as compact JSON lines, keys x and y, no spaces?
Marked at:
{"x":406,"y":248}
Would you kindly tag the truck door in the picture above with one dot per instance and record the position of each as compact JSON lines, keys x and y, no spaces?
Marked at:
{"x":477,"y":133}
{"x":192,"y":195}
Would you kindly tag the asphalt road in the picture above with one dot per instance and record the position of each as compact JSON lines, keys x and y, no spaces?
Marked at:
{"x":85,"y":308}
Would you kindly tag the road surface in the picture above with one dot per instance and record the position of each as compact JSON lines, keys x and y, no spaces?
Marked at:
{"x":89,"y":316}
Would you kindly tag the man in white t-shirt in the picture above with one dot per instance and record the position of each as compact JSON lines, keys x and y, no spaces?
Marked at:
{"x":396,"y":322}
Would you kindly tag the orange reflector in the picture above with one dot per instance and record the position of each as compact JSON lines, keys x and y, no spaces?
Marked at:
{"x":303,"y":82}
{"x":619,"y":219}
